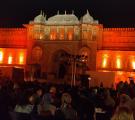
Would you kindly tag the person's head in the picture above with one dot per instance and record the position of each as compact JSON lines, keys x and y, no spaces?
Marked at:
{"x":31,"y":99}
{"x":52,"y":90}
{"x":39,"y":91}
{"x":66,"y":98}
{"x":16,"y":86}
{"x":132,"y":83}
{"x":124,"y":99}
{"x":101,"y":84}
{"x":123,"y":113}
{"x":106,"y":93}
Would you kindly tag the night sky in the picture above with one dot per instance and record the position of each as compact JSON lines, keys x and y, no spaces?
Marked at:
{"x":110,"y":13}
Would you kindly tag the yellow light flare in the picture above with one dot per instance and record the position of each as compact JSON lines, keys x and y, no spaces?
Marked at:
{"x":118,"y":62}
{"x":105,"y":60}
{"x":41,"y":37}
{"x":53,"y":36}
{"x":133,"y":64}
{"x":1,"y":56}
{"x":21,"y":59}
{"x":10,"y":59}
{"x":70,"y":36}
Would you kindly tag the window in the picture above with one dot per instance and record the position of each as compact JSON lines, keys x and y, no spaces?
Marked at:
{"x":70,"y":33}
{"x":53,"y":33}
{"x":61,"y":34}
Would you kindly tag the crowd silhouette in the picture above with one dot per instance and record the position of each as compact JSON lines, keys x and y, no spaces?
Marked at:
{"x":46,"y":101}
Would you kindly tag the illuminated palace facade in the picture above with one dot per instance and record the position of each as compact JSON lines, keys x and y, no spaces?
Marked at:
{"x":108,"y":53}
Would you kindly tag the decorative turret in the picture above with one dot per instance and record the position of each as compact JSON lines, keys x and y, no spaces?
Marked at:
{"x":88,"y":19}
{"x":41,"y":18}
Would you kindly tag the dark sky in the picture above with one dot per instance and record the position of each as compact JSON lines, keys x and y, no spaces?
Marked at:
{"x":110,"y":13}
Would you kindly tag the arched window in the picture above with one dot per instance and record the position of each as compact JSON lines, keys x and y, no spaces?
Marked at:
{"x":53,"y":33}
{"x":37,"y":53}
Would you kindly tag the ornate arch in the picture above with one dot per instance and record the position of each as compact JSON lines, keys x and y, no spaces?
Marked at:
{"x":37,"y":53}
{"x":59,"y":65}
{"x":85,"y":51}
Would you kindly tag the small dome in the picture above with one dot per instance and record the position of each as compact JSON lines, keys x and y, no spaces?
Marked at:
{"x":87,"y":18}
{"x":39,"y":19}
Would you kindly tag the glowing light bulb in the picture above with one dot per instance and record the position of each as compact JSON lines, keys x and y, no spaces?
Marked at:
{"x":118,"y":62}
{"x":105,"y":59}
{"x":133,"y":64}
{"x":1,"y":56}
{"x":21,"y":59}
{"x":10,"y":59}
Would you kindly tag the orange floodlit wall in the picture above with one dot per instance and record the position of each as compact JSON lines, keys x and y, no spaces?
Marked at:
{"x":116,"y":60}
{"x":13,"y":37}
{"x":118,"y":39}
{"x":124,"y":76}
{"x":12,"y":56}
{"x":120,"y":62}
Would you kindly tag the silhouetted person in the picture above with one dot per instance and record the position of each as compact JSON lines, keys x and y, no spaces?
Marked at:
{"x":62,"y":71}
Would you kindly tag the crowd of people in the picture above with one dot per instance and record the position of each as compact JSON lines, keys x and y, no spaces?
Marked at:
{"x":46,"y":101}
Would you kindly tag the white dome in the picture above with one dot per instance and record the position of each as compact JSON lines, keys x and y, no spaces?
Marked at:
{"x":39,"y":19}
{"x":87,"y":18}
{"x":66,"y":19}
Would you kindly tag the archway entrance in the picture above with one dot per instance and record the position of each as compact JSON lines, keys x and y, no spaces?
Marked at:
{"x":61,"y":64}
{"x":34,"y":68}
